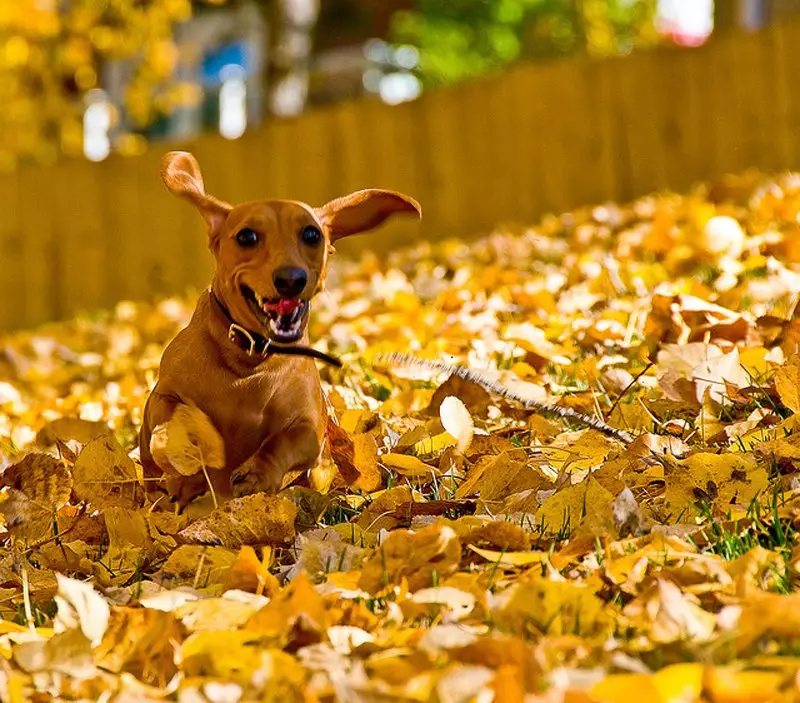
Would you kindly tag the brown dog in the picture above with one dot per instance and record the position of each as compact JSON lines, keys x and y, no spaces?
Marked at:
{"x":268,"y":407}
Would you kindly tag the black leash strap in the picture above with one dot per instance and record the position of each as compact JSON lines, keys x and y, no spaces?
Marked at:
{"x":273,"y":348}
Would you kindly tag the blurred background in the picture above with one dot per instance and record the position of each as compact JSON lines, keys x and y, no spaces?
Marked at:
{"x":487,"y":111}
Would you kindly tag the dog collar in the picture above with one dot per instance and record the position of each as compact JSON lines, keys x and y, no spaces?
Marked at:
{"x":253,"y":343}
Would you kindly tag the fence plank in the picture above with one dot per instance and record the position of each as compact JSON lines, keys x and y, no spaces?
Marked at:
{"x":81,"y":242}
{"x":12,"y":256}
{"x":787,"y":68}
{"x":33,"y":213}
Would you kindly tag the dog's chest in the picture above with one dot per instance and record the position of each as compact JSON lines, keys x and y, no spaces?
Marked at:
{"x":246,"y":412}
{"x":239,"y":408}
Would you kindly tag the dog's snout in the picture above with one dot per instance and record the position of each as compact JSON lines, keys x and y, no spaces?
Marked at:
{"x":289,"y":281}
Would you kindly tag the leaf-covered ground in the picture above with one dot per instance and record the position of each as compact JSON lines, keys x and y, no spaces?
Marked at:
{"x":451,"y":546}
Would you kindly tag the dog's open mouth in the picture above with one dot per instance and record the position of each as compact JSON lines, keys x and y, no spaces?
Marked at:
{"x":284,"y":318}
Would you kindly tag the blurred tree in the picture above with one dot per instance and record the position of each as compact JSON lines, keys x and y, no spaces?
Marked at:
{"x":51,"y":56}
{"x":291,"y":25}
{"x":53,"y":53}
{"x":458,"y":39}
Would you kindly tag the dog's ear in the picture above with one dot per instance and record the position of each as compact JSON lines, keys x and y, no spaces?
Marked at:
{"x":181,"y":174}
{"x":364,"y":210}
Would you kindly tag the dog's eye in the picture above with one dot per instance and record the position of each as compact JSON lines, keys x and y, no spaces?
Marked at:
{"x":246,"y":238}
{"x":311,"y":235}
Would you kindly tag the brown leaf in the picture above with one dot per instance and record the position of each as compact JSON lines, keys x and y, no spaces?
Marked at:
{"x":342,"y":449}
{"x":254,"y":519}
{"x":499,"y":534}
{"x":712,"y":479}
{"x":376,"y":516}
{"x":554,"y":608}
{"x":196,"y":566}
{"x":42,"y":478}
{"x":25,"y":519}
{"x":471,"y":394}
{"x":495,"y":476}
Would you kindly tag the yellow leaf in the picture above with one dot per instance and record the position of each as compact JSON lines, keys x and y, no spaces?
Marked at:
{"x":555,"y":608}
{"x":414,"y":556}
{"x":217,"y":614}
{"x":575,"y":451}
{"x":787,"y":383}
{"x":299,"y":603}
{"x":623,"y":688}
{"x":104,"y":475}
{"x":714,"y":479}
{"x":232,"y":654}
{"x":678,"y":683}
{"x":586,"y":503}
{"x":510,"y":558}
{"x":188,"y":442}
{"x":196,"y":566}
{"x":407,"y":465}
{"x":432,"y":445}
{"x":732,"y":685}
{"x":249,"y":573}
{"x":66,"y":428}
{"x":355,"y":421}
{"x":365,"y":460}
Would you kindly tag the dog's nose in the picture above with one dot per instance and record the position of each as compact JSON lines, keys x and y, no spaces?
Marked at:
{"x":289,"y":281}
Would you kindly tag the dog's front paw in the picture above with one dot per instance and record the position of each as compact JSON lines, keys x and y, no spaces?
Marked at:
{"x":255,"y":476}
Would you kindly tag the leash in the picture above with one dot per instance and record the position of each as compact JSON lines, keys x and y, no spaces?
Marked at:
{"x":253,"y":343}
{"x":467,"y":374}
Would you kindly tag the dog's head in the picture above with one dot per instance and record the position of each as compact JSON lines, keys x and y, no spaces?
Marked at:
{"x":271,"y":254}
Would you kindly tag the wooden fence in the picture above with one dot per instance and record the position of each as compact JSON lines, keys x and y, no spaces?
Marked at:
{"x":540,"y":138}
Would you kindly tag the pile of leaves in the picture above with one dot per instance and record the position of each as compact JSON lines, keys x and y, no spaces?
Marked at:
{"x":451,"y":546}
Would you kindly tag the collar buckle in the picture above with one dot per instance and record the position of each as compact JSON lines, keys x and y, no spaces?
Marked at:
{"x":235,"y":329}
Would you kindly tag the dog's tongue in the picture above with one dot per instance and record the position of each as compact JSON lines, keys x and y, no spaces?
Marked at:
{"x":285,"y":306}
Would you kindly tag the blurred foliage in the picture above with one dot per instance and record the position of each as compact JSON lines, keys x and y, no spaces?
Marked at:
{"x":459,"y":39}
{"x":52,"y":54}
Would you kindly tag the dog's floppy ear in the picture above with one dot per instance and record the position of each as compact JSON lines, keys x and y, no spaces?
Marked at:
{"x":181,"y":174}
{"x":364,"y":210}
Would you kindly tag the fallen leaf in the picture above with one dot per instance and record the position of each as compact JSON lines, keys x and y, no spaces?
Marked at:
{"x":105,"y":476}
{"x":65,"y":429}
{"x":414,"y":556}
{"x":554,"y":608}
{"x":188,"y":442}
{"x":42,"y":478}
{"x":457,"y":421}
{"x":787,"y":383}
{"x":713,"y":479}
{"x":254,"y":519}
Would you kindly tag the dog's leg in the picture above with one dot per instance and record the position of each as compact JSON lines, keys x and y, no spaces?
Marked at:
{"x":297,"y":447}
{"x":159,"y":474}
